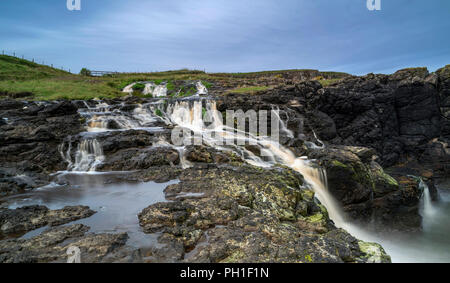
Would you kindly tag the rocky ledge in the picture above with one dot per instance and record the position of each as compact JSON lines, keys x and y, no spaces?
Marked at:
{"x":249,"y":214}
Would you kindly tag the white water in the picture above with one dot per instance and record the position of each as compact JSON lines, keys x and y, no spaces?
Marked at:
{"x":87,"y":157}
{"x":151,"y":89}
{"x":100,"y":117}
{"x":160,"y":90}
{"x":155,"y":90}
{"x":129,"y":88}
{"x":201,"y":89}
{"x":188,"y":114}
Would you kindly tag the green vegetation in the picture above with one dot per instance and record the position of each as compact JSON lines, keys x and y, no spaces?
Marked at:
{"x":208,"y":85}
{"x":138,"y":87}
{"x":22,"y":78}
{"x":249,"y":90}
{"x":12,"y":68}
{"x":326,"y":83}
{"x":159,"y":113}
{"x":170,"y":86}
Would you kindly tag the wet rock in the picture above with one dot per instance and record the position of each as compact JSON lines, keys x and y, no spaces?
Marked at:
{"x":400,"y":209}
{"x":53,"y":245}
{"x":28,"y":218}
{"x":246,"y":214}
{"x":29,"y":141}
{"x":203,"y":154}
{"x":374,"y":253}
{"x":139,"y":159}
{"x":366,"y":192}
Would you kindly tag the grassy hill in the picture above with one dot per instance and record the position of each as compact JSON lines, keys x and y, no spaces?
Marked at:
{"x":12,"y":68}
{"x":24,"y":79}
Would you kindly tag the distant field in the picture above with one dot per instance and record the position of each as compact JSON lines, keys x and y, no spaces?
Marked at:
{"x":22,"y":78}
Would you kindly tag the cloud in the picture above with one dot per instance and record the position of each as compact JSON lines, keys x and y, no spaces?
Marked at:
{"x":229,"y":35}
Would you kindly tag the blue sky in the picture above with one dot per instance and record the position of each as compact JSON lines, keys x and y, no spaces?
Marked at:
{"x":230,"y":35}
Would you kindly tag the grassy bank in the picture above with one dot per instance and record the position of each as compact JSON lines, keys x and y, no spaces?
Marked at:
{"x":28,"y":80}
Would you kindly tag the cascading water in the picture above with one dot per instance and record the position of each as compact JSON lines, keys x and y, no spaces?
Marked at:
{"x":150,"y":89}
{"x":88,"y":156}
{"x":428,"y":209}
{"x":155,"y":90}
{"x":201,"y":89}
{"x":189,"y":114}
{"x":129,"y":88}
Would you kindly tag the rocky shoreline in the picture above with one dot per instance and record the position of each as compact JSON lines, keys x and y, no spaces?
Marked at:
{"x":223,"y":209}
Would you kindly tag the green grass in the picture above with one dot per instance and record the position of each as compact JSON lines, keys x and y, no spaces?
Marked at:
{"x":12,"y":68}
{"x":326,"y":83}
{"x":139,"y":87}
{"x":249,"y":90}
{"x":53,"y":89}
{"x":41,"y":82}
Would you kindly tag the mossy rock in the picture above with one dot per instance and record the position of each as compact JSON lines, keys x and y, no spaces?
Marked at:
{"x":373,"y":253}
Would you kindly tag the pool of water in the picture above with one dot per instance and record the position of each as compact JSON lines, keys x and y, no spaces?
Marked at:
{"x":117,"y":204}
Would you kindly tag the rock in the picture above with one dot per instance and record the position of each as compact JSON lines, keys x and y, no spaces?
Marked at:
{"x":396,"y":115}
{"x":374,"y":253}
{"x":53,"y":244}
{"x":246,"y":215}
{"x":203,"y":154}
{"x":29,"y":141}
{"x":28,"y":218}
{"x":444,"y":99}
{"x":139,"y":159}
{"x":366,"y":192}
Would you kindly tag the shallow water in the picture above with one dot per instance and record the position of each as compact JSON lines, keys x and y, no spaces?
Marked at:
{"x":431,"y":245}
{"x":117,"y":204}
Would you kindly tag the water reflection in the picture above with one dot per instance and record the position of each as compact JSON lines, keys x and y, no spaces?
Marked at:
{"x":117,"y":203}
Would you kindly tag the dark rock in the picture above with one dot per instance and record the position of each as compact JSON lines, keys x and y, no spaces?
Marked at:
{"x":52,"y":246}
{"x":366,"y":192}
{"x":28,"y":218}
{"x":205,"y":154}
{"x":139,"y":159}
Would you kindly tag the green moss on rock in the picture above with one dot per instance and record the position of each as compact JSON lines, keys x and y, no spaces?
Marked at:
{"x":374,"y":253}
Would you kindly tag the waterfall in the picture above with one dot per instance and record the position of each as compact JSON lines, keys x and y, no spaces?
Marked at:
{"x":129,"y":88}
{"x":155,"y":90}
{"x":201,"y":89}
{"x":88,"y":156}
{"x":283,"y":126}
{"x":428,"y":210}
{"x":104,"y":117}
{"x":189,"y":114}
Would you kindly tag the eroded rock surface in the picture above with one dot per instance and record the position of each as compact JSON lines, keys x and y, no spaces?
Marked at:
{"x":53,"y":244}
{"x":28,"y":218}
{"x":246,"y":214}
